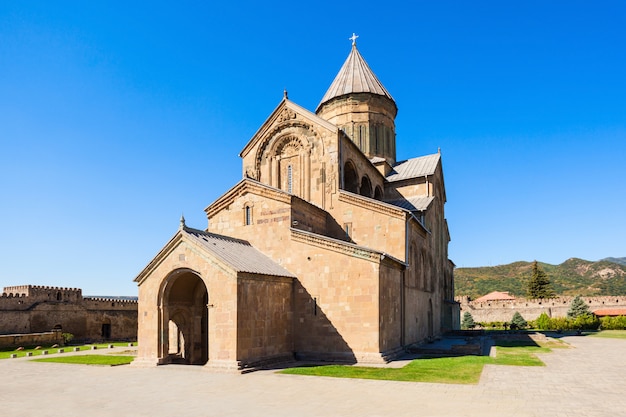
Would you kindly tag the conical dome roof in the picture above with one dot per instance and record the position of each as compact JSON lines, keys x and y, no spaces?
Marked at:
{"x":355,"y":76}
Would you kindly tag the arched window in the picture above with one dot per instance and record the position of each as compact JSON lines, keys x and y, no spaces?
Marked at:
{"x":350,"y":178}
{"x":361,"y":136}
{"x":378,"y":193}
{"x":387,"y":141}
{"x":248,"y":215}
{"x":376,"y":140}
{"x":288,"y":157}
{"x":366,"y":187}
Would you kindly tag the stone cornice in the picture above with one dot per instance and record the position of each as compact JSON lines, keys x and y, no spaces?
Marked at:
{"x":342,"y":247}
{"x":336,"y":245}
{"x":244,"y":186}
{"x":373,"y":205}
{"x":246,"y":276}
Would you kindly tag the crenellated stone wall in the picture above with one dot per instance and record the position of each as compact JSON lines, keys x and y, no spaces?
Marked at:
{"x":35,"y":309}
{"x":530,"y":309}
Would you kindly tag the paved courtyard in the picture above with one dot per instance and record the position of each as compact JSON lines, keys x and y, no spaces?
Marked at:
{"x":586,"y":380}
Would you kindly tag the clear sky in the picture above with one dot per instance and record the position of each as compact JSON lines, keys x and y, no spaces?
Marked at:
{"x":116,"y":117}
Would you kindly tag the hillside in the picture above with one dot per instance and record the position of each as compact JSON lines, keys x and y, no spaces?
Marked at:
{"x":572,"y":277}
{"x":621,"y":261}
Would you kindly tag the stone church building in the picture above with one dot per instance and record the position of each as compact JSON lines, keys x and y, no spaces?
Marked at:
{"x":327,"y":249}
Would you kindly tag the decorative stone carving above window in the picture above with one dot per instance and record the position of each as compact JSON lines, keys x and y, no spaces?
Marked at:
{"x":286,"y":114}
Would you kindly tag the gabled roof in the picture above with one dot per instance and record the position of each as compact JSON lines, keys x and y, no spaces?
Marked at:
{"x":243,"y":186}
{"x":239,"y":254}
{"x":414,"y":168}
{"x":495,"y":296}
{"x":286,"y":105}
{"x":236,"y":254}
{"x":355,"y":76}
{"x":419,"y":203}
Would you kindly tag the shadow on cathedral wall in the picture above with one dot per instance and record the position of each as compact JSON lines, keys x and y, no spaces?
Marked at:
{"x":316,"y":339}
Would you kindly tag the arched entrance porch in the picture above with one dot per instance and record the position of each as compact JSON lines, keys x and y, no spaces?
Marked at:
{"x":183,"y":319}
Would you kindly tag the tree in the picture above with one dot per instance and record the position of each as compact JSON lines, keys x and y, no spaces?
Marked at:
{"x":518,"y":322}
{"x":577,"y":308}
{"x":539,"y":285}
{"x":543,"y":322}
{"x":468,"y":321}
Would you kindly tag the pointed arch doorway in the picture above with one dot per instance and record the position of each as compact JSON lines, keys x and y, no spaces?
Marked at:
{"x":184,"y":319}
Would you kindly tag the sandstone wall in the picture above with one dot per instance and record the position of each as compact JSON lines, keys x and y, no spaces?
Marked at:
{"x":36,"y":309}
{"x":531,"y":309}
{"x":264,"y":320}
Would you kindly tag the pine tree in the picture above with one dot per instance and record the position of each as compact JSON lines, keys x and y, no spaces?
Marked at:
{"x":518,"y":322}
{"x":577,"y":308}
{"x":539,"y":285}
{"x":468,"y":321}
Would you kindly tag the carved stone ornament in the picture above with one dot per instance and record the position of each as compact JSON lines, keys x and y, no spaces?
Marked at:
{"x":250,"y":173}
{"x":286,"y":114}
{"x":289,"y":146}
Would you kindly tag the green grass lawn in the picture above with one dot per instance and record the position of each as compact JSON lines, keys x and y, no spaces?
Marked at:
{"x":452,"y":370}
{"x":106,"y":360}
{"x":613,"y":334}
{"x":6,"y":353}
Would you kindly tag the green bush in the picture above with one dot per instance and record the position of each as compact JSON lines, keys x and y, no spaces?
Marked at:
{"x":518,"y":322}
{"x":583,"y":322}
{"x":67,"y":337}
{"x":613,"y":323}
{"x":586,"y":322}
{"x":542,"y":322}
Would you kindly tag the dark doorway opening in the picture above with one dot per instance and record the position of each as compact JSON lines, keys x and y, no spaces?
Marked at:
{"x":106,"y":330}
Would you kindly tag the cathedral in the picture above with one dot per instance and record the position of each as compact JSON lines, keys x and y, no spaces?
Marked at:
{"x":328,"y":249}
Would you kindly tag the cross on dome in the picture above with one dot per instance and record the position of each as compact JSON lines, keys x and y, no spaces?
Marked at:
{"x":353,"y":38}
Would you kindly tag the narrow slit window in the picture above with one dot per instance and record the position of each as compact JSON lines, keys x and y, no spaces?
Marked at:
{"x":289,"y":179}
{"x":248,"y":215}
{"x":347,"y":227}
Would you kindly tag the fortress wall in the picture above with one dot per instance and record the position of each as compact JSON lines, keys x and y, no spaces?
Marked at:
{"x":33,"y":309}
{"x":14,"y":301}
{"x":43,"y":293}
{"x":93,"y":303}
{"x":14,"y":321}
{"x":530,"y":309}
{"x":120,"y":315}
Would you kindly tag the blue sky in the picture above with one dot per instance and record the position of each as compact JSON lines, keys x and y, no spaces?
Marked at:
{"x":115,"y":118}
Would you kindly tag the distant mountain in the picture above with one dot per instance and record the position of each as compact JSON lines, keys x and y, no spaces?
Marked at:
{"x":572,"y":277}
{"x":621,"y":261}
